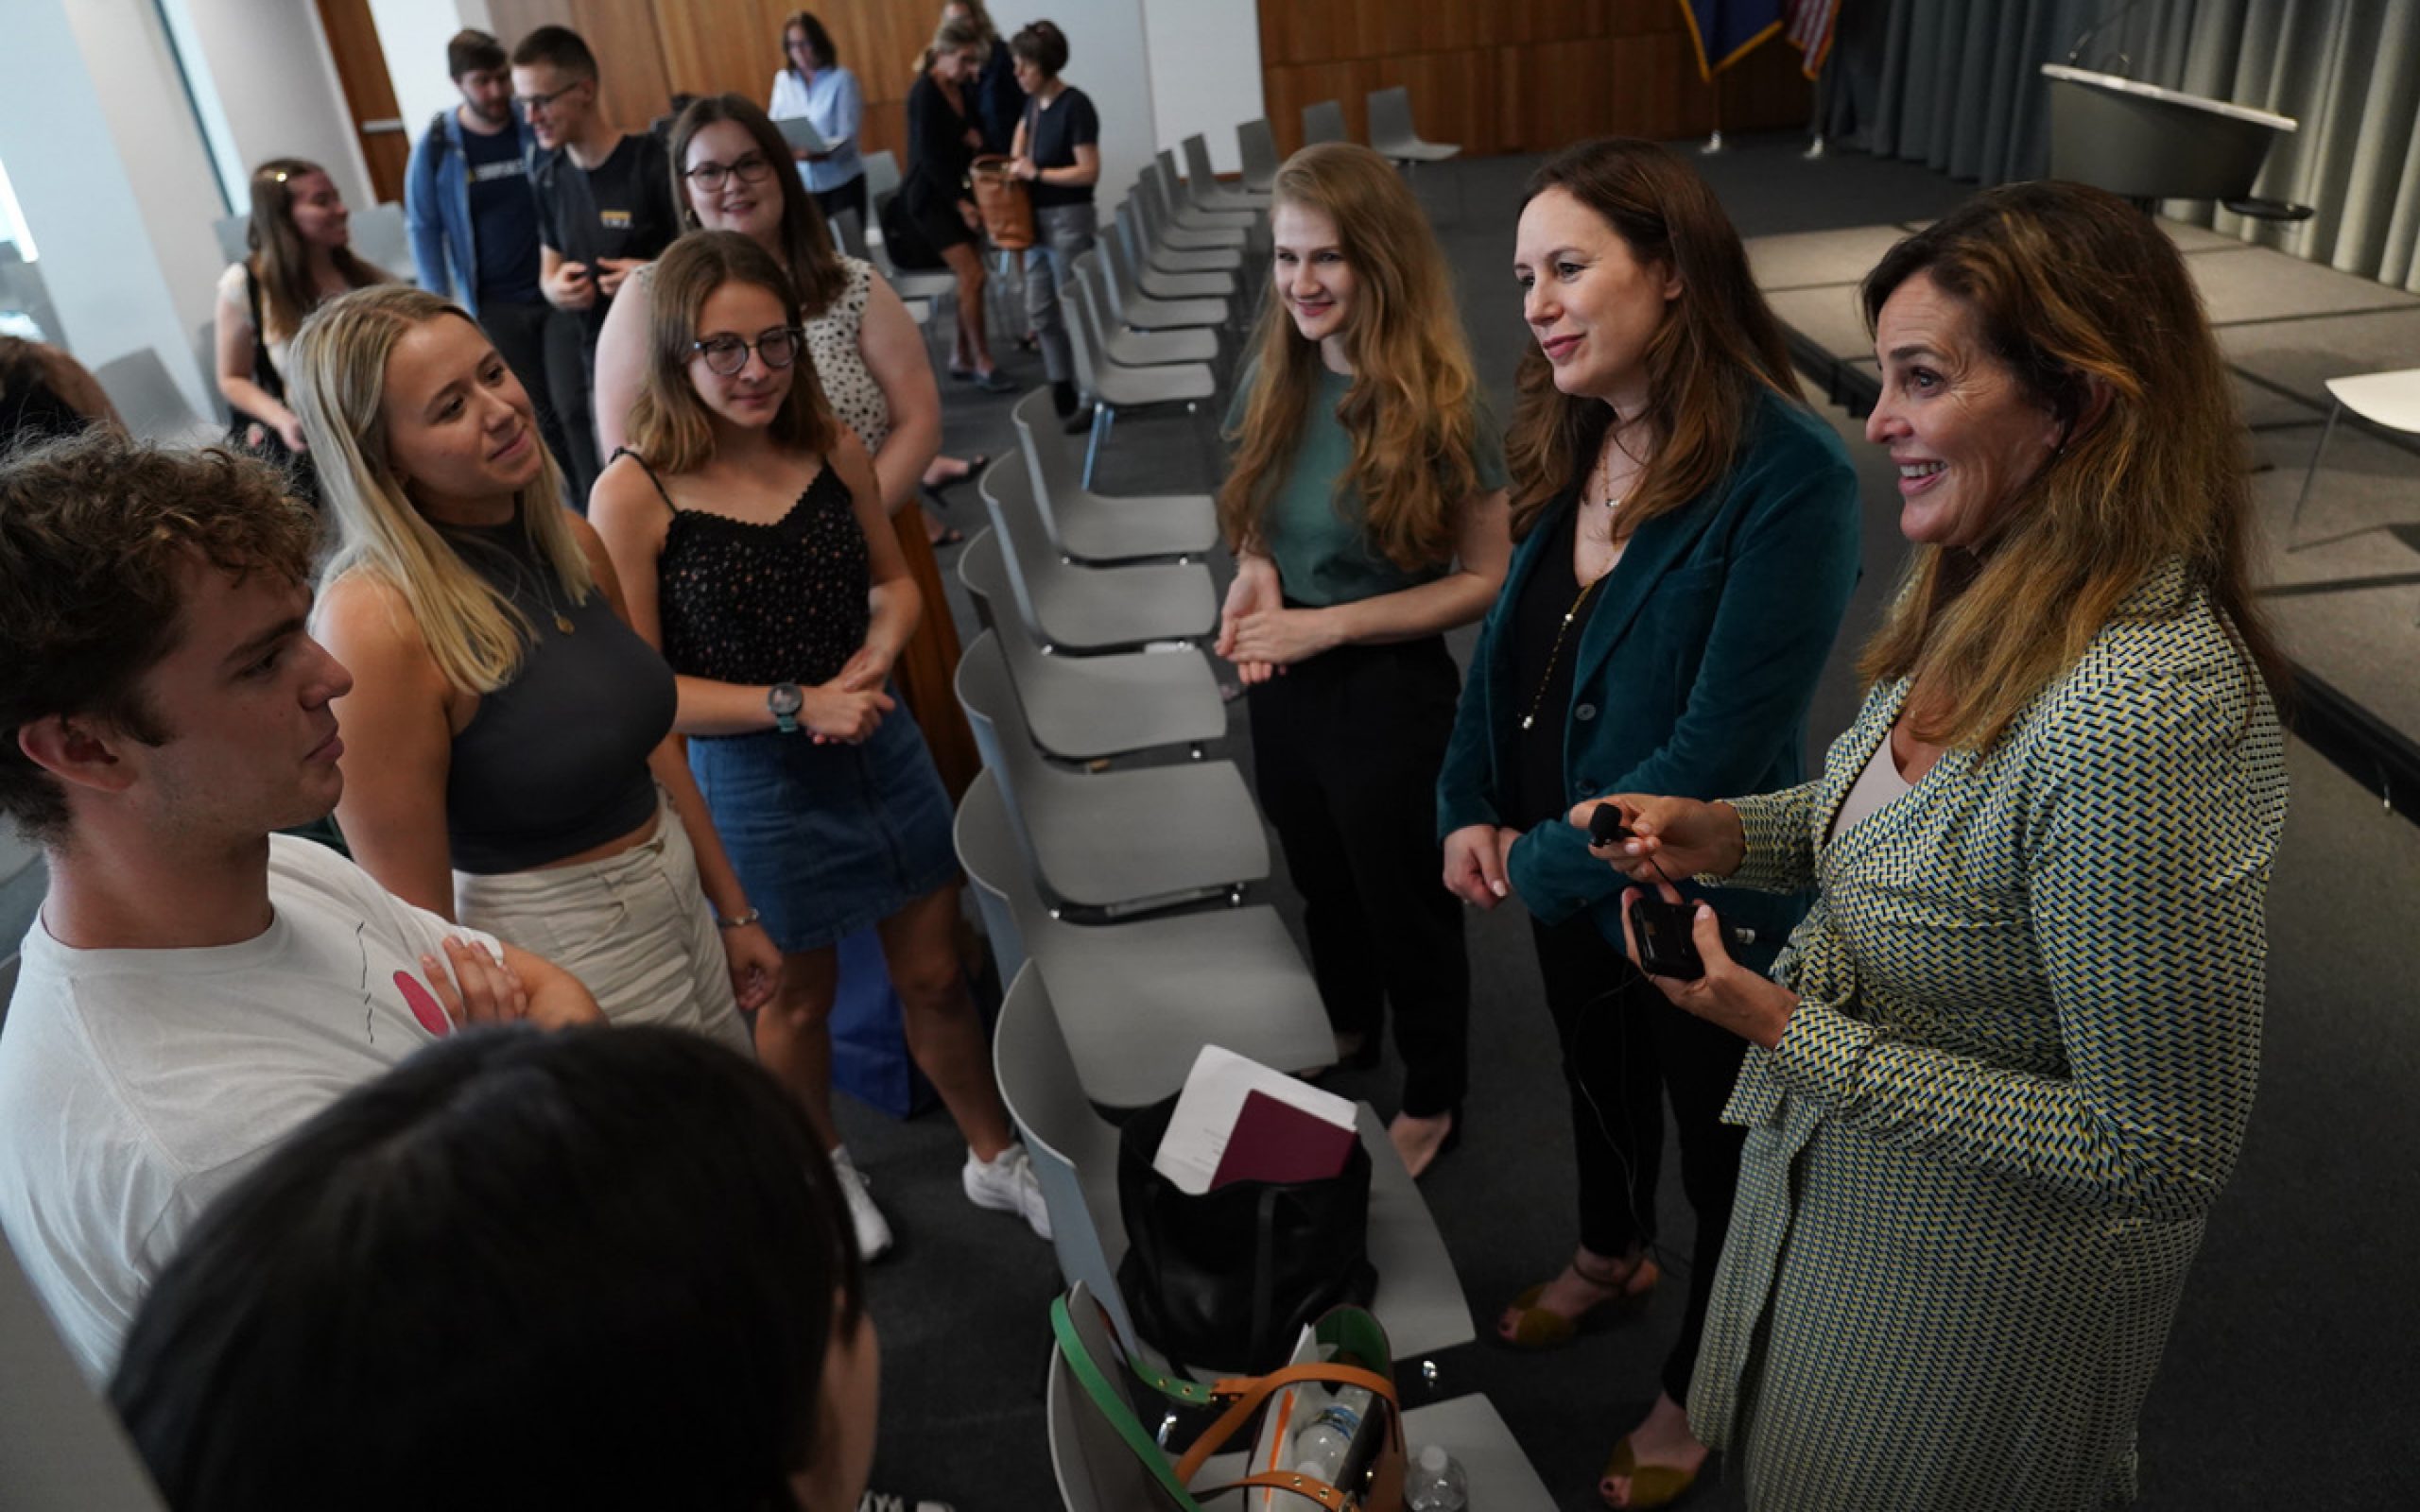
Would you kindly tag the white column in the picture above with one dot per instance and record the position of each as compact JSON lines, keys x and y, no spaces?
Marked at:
{"x":116,"y":186}
{"x":1205,"y":72}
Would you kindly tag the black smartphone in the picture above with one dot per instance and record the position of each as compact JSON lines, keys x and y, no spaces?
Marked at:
{"x":1665,"y":935}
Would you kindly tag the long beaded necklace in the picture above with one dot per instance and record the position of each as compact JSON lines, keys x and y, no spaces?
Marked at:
{"x":1603,"y":477}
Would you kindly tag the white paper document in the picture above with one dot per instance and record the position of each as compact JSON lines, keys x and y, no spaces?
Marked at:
{"x":1205,"y":1113}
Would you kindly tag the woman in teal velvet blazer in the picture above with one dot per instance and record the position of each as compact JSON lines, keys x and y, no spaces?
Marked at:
{"x":1688,"y":544}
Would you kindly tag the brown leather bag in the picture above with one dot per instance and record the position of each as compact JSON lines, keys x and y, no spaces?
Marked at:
{"x":1007,"y":211}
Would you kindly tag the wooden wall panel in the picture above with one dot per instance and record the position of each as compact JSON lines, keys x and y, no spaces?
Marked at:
{"x":1515,"y":76}
{"x":369,"y":94}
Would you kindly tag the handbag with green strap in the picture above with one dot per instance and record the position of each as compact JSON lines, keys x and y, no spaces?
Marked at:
{"x":1347,"y":1346}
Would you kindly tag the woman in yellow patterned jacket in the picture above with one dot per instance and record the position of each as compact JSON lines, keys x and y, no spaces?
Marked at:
{"x":2004,"y":1065}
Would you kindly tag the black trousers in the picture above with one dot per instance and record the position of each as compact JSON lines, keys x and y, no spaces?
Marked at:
{"x":1625,"y":1049}
{"x":850,"y":195}
{"x":519,"y":332}
{"x":571,"y":374}
{"x":1346,"y":747}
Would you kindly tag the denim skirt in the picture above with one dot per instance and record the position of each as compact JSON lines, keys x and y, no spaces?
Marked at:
{"x":828,"y":840}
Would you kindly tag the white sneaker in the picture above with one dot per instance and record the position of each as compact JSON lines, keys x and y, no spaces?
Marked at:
{"x":1006,"y":1184}
{"x":884,"y":1502}
{"x":873,"y":1230}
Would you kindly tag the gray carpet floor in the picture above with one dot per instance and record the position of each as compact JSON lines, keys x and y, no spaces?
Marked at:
{"x":2290,"y":1378}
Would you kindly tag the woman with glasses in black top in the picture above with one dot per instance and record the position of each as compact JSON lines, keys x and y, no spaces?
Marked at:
{"x":749,"y":533}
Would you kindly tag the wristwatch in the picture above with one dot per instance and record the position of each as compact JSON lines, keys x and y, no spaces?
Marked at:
{"x":786,"y":700}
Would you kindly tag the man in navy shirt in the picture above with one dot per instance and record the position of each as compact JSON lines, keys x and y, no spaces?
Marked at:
{"x":474,"y":222}
{"x":604,"y":208}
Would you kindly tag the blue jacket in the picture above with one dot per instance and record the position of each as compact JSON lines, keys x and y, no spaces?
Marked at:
{"x":436,"y":209}
{"x":1693,"y":675}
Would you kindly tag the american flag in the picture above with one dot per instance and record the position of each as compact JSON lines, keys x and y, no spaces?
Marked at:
{"x":1725,"y":32}
{"x":1807,"y":24}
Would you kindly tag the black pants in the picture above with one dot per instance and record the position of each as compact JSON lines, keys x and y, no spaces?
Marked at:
{"x":519,"y":332}
{"x":571,"y":372}
{"x":850,"y":195}
{"x":1346,"y":747}
{"x":1625,"y":1049}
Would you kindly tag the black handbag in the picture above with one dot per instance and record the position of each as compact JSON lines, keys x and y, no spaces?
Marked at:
{"x":1230,"y":1278}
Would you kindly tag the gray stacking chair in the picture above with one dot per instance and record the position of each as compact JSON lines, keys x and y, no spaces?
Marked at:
{"x":1129,"y":348}
{"x":231,"y":231}
{"x":1115,"y":388}
{"x":1419,"y":1298}
{"x":1324,"y":122}
{"x":1089,"y":610}
{"x":61,"y":1448}
{"x":1139,"y":1000}
{"x":1094,"y":708}
{"x":1202,"y":181}
{"x":22,"y":879}
{"x":1257,"y":144}
{"x":1161,"y":230}
{"x":153,"y":407}
{"x":1118,"y":842}
{"x":1095,"y":527}
{"x":1391,"y":134}
{"x":1129,"y":303}
{"x":1096,"y":1471}
{"x":848,"y":233}
{"x":25,"y":294}
{"x":1203,"y":199}
{"x":1181,"y":211}
{"x":1169,"y":259}
{"x":1156,"y":280}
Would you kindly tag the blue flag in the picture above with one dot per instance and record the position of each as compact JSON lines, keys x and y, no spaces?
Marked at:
{"x":1725,"y":32}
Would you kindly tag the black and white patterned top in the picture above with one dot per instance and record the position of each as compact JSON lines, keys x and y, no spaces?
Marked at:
{"x":831,"y":339}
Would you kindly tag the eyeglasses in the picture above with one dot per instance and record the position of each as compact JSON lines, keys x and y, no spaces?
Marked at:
{"x":532,"y":104}
{"x":726,"y":354}
{"x":751,"y":168}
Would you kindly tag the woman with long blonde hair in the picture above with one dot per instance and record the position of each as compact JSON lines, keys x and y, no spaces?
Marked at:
{"x":1366,"y":512}
{"x":300,"y":255}
{"x":510,"y":760}
{"x":748,"y":526}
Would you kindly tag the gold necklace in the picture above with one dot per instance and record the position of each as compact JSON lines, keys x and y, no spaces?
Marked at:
{"x":1546,"y":678}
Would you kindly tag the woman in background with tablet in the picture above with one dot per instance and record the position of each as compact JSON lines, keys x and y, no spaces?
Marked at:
{"x":812,"y":85}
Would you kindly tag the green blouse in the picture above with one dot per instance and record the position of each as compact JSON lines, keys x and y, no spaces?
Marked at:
{"x":1314,"y":531}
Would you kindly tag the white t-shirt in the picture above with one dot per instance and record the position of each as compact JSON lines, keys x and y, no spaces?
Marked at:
{"x":137,"y":1085}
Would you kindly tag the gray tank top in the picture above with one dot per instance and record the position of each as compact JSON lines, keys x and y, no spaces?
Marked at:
{"x":554,"y":763}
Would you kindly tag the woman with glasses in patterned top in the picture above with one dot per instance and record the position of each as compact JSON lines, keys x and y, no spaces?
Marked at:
{"x":748,"y":531}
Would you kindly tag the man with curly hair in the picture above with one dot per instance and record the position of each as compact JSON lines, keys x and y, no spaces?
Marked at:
{"x":196,"y":985}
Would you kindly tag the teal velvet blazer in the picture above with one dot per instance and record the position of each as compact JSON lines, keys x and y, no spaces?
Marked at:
{"x":1693,"y":673}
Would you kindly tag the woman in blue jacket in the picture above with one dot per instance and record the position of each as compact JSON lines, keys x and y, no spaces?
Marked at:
{"x":1688,"y":541}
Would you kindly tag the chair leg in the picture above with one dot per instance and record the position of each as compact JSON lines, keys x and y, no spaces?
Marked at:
{"x":1207,"y":430}
{"x":1103,"y":416}
{"x":2293,"y":522}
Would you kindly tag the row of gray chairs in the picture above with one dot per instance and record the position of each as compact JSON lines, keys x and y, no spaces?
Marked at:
{"x":1392,"y":136}
{"x":1111,"y":1014}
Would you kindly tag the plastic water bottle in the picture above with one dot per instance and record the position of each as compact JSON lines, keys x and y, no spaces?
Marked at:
{"x":1436,"y":1483}
{"x":1322,"y":1448}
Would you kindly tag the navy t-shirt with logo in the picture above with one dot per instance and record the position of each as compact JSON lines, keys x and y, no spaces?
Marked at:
{"x":504,"y":218}
{"x":621,"y":208}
